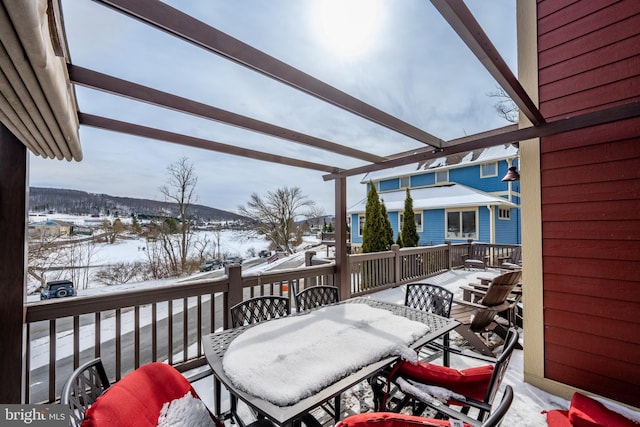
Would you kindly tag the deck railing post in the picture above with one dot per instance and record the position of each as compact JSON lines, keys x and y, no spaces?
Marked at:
{"x":308,"y":262}
{"x":450,"y":254}
{"x":397,"y":264}
{"x":236,"y":292}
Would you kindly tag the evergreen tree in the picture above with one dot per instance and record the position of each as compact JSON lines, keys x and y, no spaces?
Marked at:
{"x":135,"y":225}
{"x":410,"y":237}
{"x":373,"y":236}
{"x":388,"y":229}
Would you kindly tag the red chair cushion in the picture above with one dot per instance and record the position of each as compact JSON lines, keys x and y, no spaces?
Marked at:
{"x":136,"y":400}
{"x":586,"y":412}
{"x":470,"y":382}
{"x":558,"y":418}
{"x":390,"y":419}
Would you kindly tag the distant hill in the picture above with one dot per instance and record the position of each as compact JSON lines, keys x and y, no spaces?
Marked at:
{"x":76,"y":202}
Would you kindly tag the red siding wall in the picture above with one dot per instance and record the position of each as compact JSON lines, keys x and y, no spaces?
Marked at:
{"x":589,"y":59}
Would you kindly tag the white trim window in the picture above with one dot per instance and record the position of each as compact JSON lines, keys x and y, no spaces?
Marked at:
{"x":360,"y":225}
{"x":405,"y":182}
{"x":489,"y":170}
{"x":418,"y":218}
{"x":442,"y":176}
{"x":462,"y":224}
{"x":504,"y":213}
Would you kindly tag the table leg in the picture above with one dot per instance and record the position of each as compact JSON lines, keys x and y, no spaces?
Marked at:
{"x":217,"y":389}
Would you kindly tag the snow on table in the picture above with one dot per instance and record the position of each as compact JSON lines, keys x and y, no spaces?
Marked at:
{"x":291,"y":358}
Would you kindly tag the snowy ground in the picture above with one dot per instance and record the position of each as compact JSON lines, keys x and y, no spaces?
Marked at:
{"x":529,"y":402}
{"x":231,"y":243}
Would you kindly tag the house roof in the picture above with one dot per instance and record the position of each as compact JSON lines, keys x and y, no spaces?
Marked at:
{"x":51,"y":222}
{"x":483,"y":155}
{"x":436,"y":197}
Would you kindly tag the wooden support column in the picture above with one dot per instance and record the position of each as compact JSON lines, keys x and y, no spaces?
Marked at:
{"x":343,"y":278}
{"x":14,"y":192}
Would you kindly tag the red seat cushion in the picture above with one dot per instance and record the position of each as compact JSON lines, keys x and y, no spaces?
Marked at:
{"x":390,"y":419}
{"x":558,"y":418}
{"x":136,"y":400}
{"x":586,"y":412}
{"x":470,"y":382}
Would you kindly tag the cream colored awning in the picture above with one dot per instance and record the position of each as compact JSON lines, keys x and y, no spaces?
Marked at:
{"x":37,"y":101}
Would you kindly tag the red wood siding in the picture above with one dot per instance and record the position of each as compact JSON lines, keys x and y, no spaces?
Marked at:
{"x":589,"y":59}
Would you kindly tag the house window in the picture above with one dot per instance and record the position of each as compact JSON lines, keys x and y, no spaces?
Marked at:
{"x":360,"y":224}
{"x":489,"y":170}
{"x":504,"y":213}
{"x":418,"y":218}
{"x":375,"y":184}
{"x":462,"y":225}
{"x":405,"y":182}
{"x":442,"y":176}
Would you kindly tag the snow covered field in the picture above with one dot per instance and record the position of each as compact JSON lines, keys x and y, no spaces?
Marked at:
{"x":231,"y":243}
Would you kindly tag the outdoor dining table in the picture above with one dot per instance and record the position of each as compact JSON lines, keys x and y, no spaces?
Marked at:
{"x":217,"y":344}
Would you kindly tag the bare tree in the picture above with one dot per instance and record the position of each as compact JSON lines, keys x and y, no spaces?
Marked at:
{"x":506,"y":108}
{"x":201,"y":245}
{"x":180,"y":189}
{"x":120,"y":273}
{"x":112,"y":230}
{"x":217,"y":231}
{"x":43,"y":253}
{"x":77,"y":259}
{"x":275,"y":215}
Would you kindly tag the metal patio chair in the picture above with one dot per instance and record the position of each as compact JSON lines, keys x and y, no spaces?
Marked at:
{"x":427,"y":297}
{"x":434,"y":299}
{"x":82,"y":389}
{"x":259,"y":309}
{"x":393,"y":419}
{"x":316,"y":296}
{"x":474,"y":387}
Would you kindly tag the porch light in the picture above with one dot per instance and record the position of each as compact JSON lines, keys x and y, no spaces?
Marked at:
{"x":512,"y":175}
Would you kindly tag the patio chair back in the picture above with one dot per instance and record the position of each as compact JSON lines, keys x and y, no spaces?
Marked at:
{"x":500,"y":288}
{"x":502,"y":362}
{"x":316,"y":296}
{"x":393,"y":419}
{"x":427,"y":297}
{"x":258,"y":309}
{"x":495,"y":300}
{"x":83,"y":388}
{"x":497,"y":415}
{"x":476,"y":257}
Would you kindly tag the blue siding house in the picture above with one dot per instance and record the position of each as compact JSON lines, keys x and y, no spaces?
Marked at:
{"x":456,"y":198}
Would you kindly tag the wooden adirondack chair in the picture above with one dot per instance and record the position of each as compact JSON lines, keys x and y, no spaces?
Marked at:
{"x":479,"y":317}
{"x":477,"y":257}
{"x":514,"y":261}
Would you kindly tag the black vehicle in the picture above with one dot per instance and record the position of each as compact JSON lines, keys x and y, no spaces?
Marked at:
{"x":210,"y":264}
{"x":57,"y":289}
{"x":232,"y":260}
{"x":264,"y":253}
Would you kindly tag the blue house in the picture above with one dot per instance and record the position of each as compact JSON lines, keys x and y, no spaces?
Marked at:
{"x":455,"y":198}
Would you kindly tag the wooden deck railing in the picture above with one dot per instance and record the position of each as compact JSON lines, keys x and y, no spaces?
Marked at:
{"x":165,"y":323}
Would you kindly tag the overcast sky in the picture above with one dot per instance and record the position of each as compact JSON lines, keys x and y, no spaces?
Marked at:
{"x":398,"y":55}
